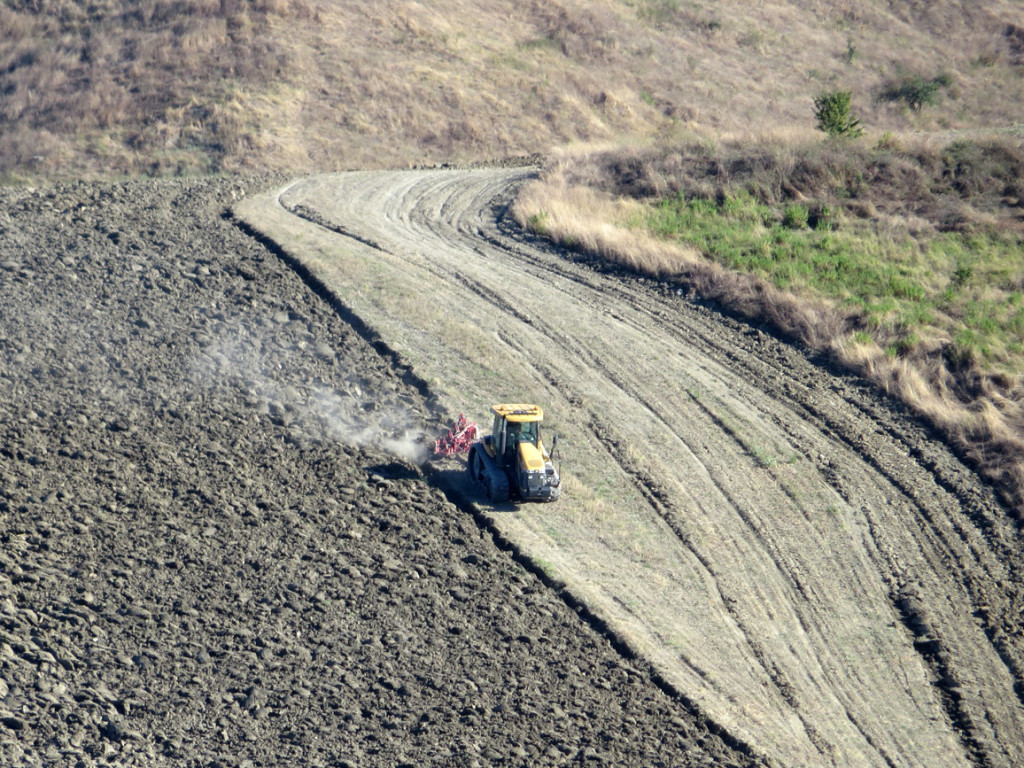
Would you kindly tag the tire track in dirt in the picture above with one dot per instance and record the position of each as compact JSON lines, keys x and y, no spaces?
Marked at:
{"x":661,"y":503}
{"x":751,"y":524}
{"x":869,"y":450}
{"x":937,"y":658}
{"x":949,"y":474}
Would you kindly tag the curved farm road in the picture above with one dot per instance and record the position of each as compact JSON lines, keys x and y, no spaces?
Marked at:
{"x":807,"y":567}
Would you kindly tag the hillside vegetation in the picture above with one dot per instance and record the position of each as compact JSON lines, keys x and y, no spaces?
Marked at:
{"x":111,"y":87}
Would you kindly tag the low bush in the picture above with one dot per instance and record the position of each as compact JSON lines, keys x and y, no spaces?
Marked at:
{"x":916,"y":91}
{"x":795,"y":217}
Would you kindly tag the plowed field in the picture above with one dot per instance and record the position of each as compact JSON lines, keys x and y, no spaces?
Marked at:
{"x":218,"y":545}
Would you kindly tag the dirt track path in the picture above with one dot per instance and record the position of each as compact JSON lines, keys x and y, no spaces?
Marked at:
{"x":806,"y":567}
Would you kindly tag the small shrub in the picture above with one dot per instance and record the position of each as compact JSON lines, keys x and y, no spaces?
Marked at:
{"x":986,"y":60}
{"x":917,"y":92}
{"x":851,"y":51}
{"x":703,"y":207}
{"x":834,"y":117}
{"x":657,"y":12}
{"x":754,"y":39}
{"x":824,"y":218}
{"x":795,"y":217}
{"x":904,"y":345}
{"x":1015,"y":324}
{"x":962,"y":274}
{"x":962,"y":354}
{"x":889,"y":143}
{"x":903,"y":288}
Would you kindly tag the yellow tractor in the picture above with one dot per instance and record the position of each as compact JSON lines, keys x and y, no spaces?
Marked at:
{"x":512,"y":460}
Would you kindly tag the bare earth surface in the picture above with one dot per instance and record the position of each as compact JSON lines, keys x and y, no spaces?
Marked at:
{"x":800,"y":561}
{"x":210,"y":553}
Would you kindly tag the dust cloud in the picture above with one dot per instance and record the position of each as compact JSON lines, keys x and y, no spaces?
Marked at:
{"x":342,"y":411}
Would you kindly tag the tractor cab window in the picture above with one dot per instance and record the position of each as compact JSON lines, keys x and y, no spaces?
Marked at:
{"x":523,"y":431}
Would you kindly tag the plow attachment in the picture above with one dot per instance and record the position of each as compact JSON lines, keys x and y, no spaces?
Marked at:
{"x":458,"y":439}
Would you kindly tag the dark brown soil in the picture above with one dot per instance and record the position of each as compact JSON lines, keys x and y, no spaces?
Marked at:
{"x":206,"y":560}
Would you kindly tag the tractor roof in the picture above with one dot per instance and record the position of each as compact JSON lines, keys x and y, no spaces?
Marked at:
{"x":519,"y":412}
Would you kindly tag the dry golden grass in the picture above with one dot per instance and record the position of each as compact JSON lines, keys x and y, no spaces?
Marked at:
{"x":583,"y":217}
{"x":565,"y":208}
{"x":394,"y":84}
{"x":988,"y":427}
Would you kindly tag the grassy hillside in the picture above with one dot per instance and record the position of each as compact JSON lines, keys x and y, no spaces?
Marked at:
{"x":111,"y":87}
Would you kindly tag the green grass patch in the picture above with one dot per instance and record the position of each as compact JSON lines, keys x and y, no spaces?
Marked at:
{"x":538,"y":223}
{"x":964,"y":287}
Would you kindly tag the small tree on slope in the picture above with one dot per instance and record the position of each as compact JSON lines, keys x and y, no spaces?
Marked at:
{"x":834,"y":117}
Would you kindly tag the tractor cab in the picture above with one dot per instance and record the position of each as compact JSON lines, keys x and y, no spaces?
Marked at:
{"x":515,"y":428}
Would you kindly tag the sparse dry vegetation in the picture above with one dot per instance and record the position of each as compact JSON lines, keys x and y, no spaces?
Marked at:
{"x":195,"y":86}
{"x":113,"y":88}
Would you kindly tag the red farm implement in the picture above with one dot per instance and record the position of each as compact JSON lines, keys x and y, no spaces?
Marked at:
{"x":458,"y":439}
